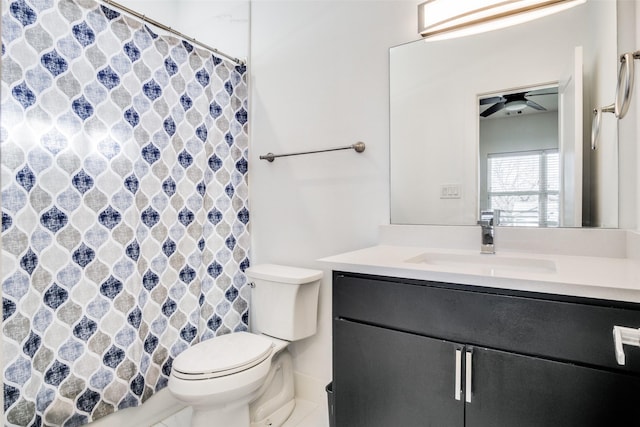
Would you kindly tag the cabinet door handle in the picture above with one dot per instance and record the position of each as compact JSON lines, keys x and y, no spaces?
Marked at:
{"x":623,"y":335}
{"x":458,"y":383}
{"x":468,"y":375}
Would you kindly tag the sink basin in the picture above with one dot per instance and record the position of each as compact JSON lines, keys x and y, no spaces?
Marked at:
{"x":491,"y":263}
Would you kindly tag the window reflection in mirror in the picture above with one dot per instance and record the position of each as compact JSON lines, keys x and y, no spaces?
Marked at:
{"x":519,"y":157}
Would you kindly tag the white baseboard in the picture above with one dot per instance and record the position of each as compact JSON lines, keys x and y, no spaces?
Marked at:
{"x":633,"y":244}
{"x":311,"y":389}
{"x":162,"y":405}
{"x":158,"y":407}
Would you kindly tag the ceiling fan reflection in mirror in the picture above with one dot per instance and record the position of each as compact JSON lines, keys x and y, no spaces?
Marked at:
{"x":523,"y":102}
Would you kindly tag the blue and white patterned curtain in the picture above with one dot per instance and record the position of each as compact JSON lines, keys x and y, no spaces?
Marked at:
{"x":124,"y":208}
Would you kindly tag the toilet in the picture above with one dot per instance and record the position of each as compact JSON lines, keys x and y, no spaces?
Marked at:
{"x":245,"y":379}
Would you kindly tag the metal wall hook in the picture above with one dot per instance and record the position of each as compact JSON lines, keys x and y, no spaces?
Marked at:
{"x":597,"y":122}
{"x":624,"y":89}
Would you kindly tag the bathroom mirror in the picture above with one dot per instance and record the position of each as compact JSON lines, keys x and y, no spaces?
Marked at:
{"x":439,"y":90}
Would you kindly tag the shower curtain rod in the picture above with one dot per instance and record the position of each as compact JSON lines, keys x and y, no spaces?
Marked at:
{"x":172,"y":31}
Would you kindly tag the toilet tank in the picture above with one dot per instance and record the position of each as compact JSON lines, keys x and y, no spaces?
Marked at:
{"x":284,"y":300}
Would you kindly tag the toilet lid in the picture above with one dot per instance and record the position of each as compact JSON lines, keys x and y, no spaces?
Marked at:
{"x":222,"y":355}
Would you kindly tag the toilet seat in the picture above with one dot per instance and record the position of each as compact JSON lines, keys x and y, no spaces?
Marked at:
{"x":221,"y":356}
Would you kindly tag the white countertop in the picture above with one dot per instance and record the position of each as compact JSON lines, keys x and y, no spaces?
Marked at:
{"x":585,"y":276}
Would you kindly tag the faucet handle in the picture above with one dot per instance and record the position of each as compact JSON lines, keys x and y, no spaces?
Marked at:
{"x":489,"y":218}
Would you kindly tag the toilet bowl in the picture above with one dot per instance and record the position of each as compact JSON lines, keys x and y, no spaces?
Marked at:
{"x":245,"y":379}
{"x":220,"y":376}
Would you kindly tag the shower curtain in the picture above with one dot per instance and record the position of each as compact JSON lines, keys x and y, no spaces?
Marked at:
{"x":124,"y":208}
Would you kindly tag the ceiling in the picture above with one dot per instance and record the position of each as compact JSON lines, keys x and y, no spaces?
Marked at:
{"x":545,"y":97}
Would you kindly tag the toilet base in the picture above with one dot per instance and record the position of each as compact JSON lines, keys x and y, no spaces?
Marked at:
{"x":278,"y":417}
{"x":276,"y":399}
{"x":233,"y":416}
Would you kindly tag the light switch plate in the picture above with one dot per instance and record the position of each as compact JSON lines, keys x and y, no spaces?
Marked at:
{"x":450,"y":191}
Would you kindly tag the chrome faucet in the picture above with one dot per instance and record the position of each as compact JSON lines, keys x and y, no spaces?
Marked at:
{"x":487,"y":221}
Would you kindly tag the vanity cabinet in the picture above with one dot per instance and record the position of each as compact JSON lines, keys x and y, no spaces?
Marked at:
{"x":419,"y":353}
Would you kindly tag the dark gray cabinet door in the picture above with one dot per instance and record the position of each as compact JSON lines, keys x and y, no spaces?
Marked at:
{"x":387,"y":378}
{"x":514,"y":390}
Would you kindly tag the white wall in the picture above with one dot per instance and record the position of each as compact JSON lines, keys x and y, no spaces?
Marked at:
{"x":636,"y":135}
{"x":319,"y":80}
{"x":629,"y":126}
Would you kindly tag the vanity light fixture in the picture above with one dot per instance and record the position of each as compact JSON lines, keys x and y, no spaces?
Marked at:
{"x":453,"y":18}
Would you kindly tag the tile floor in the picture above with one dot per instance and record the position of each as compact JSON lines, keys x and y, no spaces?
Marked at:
{"x":306,"y":414}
